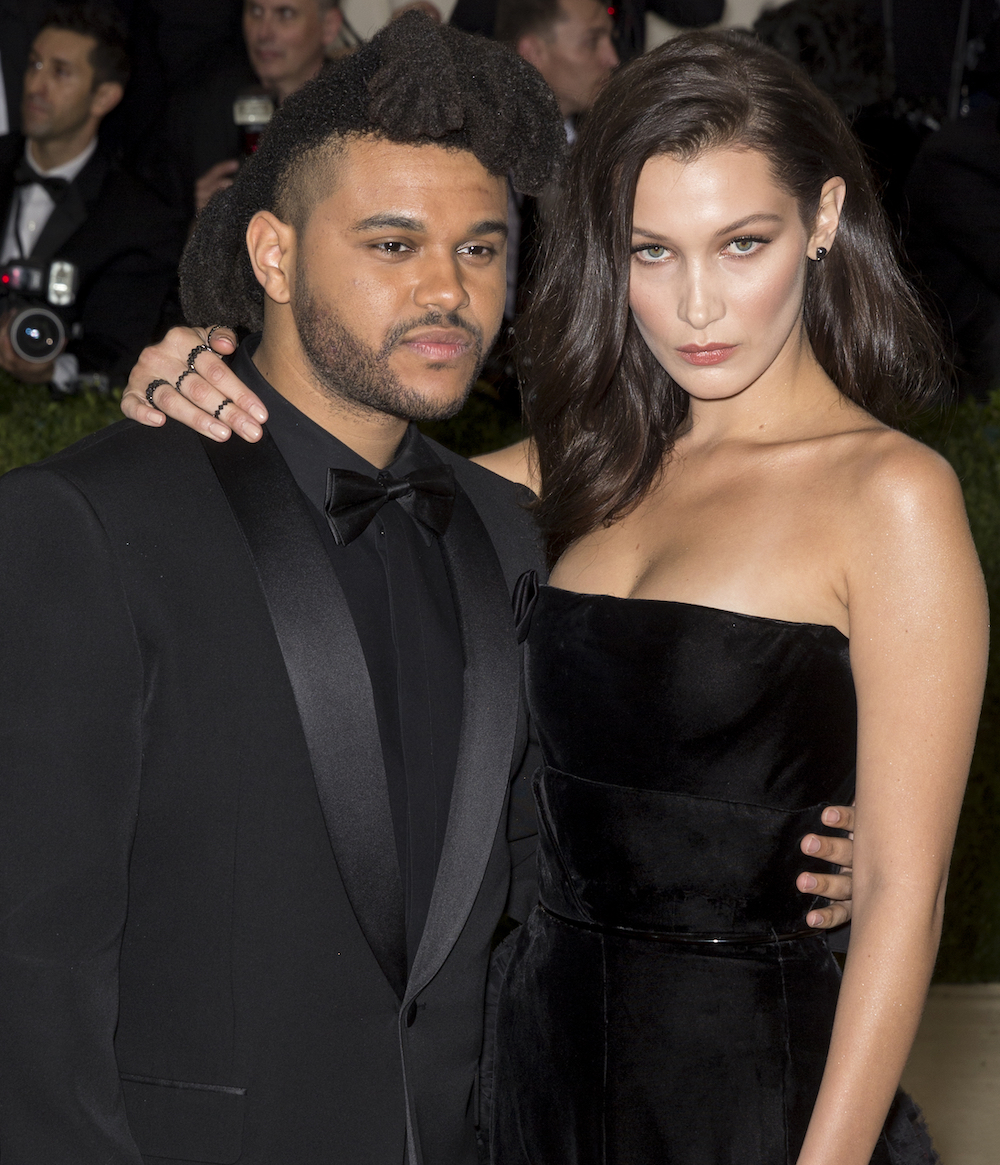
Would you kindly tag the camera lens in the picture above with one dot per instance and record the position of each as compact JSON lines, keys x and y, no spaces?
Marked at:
{"x":37,"y":334}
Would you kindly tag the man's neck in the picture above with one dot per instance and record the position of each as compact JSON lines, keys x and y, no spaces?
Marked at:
{"x":372,"y":435}
{"x":55,"y":152}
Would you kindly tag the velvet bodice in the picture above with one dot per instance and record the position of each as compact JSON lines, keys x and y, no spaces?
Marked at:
{"x":687,"y":751}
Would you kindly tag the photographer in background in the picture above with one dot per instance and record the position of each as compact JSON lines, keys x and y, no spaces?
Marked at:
{"x":199,"y":150}
{"x":63,"y":200}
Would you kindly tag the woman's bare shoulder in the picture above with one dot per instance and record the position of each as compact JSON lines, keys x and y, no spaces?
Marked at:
{"x":517,"y":463}
{"x":904,"y":493}
{"x":896,"y":469}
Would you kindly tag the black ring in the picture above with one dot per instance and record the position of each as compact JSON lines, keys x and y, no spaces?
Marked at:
{"x":227,"y":401}
{"x":151,"y":388}
{"x":211,"y":332}
{"x":194,"y":354}
{"x":186,"y":372}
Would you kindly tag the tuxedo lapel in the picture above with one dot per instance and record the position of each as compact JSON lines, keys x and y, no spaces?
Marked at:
{"x":329,"y":677}
{"x":70,"y":212}
{"x":489,"y":721}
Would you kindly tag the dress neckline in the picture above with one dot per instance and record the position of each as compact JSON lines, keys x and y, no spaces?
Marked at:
{"x":696,"y":607}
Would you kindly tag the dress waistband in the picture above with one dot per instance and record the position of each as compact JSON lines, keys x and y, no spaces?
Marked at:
{"x":664,"y":936}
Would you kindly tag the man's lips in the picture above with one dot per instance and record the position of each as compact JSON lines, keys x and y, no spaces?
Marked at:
{"x":703,"y":354}
{"x":438,"y":344}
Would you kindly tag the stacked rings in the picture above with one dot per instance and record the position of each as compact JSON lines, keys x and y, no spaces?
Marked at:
{"x":151,"y":388}
{"x":186,"y":372}
{"x":194,"y":354}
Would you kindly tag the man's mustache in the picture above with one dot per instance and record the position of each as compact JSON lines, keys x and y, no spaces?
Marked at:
{"x":452,"y":319}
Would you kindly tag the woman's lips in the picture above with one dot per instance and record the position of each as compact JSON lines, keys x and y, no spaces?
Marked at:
{"x":709,"y":354}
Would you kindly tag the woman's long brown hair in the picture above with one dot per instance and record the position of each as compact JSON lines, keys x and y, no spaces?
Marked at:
{"x":602,"y":410}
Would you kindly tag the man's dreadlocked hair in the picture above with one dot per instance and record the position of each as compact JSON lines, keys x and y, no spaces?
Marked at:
{"x":416,"y":82}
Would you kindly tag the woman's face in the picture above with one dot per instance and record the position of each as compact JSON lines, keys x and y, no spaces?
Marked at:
{"x":718,"y":268}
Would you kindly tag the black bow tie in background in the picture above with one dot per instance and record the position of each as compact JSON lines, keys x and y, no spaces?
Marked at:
{"x":353,"y":499}
{"x":24,"y":175}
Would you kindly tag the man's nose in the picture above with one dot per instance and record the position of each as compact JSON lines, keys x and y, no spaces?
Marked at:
{"x":34,"y":80}
{"x":441,"y":285}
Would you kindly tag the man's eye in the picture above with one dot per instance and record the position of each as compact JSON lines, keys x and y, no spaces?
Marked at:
{"x":392,"y":247}
{"x":479,"y":251}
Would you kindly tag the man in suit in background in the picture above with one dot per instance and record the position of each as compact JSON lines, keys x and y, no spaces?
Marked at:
{"x":200,"y":147}
{"x":63,"y":198}
{"x":480,"y":16}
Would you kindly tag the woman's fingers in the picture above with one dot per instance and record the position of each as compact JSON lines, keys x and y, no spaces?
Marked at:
{"x":211,"y":400}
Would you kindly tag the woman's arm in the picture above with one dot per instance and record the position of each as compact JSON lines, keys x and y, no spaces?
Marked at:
{"x":212,"y":400}
{"x":919,"y":636}
{"x":517,"y":463}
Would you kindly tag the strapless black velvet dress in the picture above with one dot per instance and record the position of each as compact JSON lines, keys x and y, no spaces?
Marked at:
{"x":665,"y":1002}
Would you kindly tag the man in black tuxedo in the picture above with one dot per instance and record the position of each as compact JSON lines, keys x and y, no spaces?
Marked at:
{"x":253,"y":851}
{"x":63,"y":197}
{"x":262,"y":789}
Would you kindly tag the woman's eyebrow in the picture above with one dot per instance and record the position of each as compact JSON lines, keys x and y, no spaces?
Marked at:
{"x":726,"y":230}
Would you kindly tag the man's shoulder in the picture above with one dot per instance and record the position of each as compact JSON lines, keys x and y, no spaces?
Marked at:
{"x":123,"y":456}
{"x":502,"y":505}
{"x":486,"y":487}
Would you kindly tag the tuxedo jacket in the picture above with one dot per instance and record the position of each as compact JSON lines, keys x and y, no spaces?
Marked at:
{"x":198,"y":874}
{"x":127,"y":245}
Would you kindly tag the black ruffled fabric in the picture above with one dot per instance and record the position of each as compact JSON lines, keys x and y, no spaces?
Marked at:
{"x":687,"y":751}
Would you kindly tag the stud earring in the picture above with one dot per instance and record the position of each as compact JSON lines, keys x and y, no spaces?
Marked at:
{"x":820,"y":254}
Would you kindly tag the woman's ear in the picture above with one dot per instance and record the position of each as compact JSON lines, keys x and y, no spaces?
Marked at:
{"x":831,"y":203}
{"x":271,"y":246}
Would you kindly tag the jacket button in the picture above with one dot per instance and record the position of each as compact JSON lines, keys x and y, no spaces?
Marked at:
{"x":411,"y":1013}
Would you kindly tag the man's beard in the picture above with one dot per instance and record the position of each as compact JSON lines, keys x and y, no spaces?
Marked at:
{"x":350,"y":371}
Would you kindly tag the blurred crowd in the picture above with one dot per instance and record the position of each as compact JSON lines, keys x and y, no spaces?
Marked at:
{"x":120,"y":119}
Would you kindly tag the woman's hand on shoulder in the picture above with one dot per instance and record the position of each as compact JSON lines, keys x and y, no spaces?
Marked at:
{"x":211,"y":399}
{"x":516,"y":462}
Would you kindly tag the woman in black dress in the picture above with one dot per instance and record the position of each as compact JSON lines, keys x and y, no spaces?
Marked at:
{"x":763,"y":597}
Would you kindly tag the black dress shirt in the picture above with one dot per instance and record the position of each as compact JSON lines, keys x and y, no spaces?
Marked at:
{"x":397,"y":588}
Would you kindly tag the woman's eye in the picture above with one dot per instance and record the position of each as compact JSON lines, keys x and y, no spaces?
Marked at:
{"x":746,"y":246}
{"x":652,"y":254}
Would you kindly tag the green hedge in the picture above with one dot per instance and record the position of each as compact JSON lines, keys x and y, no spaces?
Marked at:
{"x":32,"y":426}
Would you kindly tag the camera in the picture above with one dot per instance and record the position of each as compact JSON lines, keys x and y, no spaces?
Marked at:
{"x":38,"y":330}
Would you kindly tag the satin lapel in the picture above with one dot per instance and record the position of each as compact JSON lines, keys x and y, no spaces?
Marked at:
{"x":71,"y":212}
{"x":489,"y":721}
{"x":327,"y":670}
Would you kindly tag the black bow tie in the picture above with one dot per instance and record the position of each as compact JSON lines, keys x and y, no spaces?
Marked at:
{"x":24,"y":175}
{"x":353,"y":499}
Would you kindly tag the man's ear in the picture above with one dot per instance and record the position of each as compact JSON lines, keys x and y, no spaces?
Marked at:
{"x":105,"y":97}
{"x":534,"y":50}
{"x":271,"y":246}
{"x":333,"y":19}
{"x":831,"y":203}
